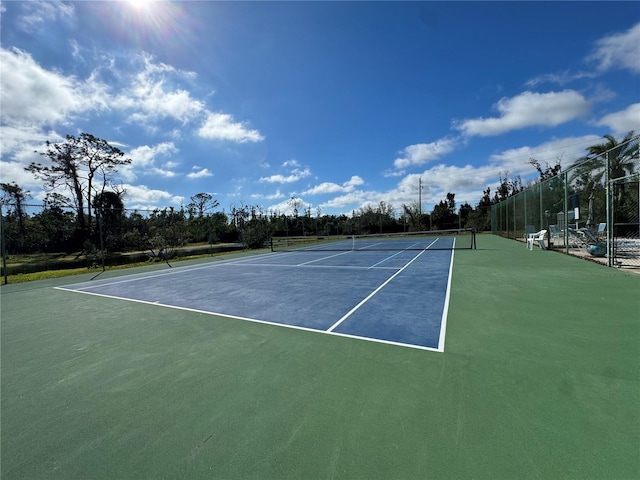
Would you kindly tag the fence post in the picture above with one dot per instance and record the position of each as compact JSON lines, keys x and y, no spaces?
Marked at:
{"x":3,"y":246}
{"x":607,"y":187}
{"x":565,"y":213}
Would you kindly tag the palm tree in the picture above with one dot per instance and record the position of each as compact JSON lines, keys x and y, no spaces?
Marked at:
{"x":622,"y":155}
{"x":590,"y":174}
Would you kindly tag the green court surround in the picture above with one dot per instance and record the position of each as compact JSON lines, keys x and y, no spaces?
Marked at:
{"x":540,"y":379}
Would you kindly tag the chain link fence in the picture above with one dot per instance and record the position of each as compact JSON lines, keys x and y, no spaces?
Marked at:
{"x":590,"y":210}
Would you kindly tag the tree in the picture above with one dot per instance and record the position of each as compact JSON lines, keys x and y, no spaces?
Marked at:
{"x":590,"y":172}
{"x":200,"y":224}
{"x":443,"y":214}
{"x":53,"y":229}
{"x":549,"y":172}
{"x":480,"y":218}
{"x":256,"y":231}
{"x":416,"y":220}
{"x":15,"y":195}
{"x":83,"y":166}
{"x":622,"y":160}
{"x":109,"y":210}
{"x":166,"y":234}
{"x":464,"y":212}
{"x":200,"y":203}
{"x":621,"y":155}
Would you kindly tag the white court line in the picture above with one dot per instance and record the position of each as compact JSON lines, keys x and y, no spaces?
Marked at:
{"x":239,"y":262}
{"x":350,"y":312}
{"x":254,"y":320}
{"x":368,"y":246}
{"x":445,"y":308}
{"x":322,"y":258}
{"x":174,"y":271}
{"x":304,"y":265}
{"x":398,"y":253}
{"x":246,"y":262}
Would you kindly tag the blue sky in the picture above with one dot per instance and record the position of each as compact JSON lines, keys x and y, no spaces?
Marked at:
{"x":340,"y":104}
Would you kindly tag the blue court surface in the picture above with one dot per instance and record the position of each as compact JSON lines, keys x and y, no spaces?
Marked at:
{"x":397,"y":297}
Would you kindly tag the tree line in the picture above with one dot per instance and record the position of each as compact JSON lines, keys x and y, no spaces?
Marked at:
{"x":84,"y":210}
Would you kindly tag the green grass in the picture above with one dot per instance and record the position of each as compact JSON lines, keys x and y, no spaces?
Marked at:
{"x":540,"y":379}
{"x":49,"y":274}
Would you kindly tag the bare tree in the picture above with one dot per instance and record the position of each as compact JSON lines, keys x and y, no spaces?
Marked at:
{"x":83,"y":166}
{"x":201,"y":202}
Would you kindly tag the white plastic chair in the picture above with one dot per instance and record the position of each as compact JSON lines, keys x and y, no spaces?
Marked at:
{"x":538,"y":238}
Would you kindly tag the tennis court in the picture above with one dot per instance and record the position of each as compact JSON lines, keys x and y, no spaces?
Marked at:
{"x":394,"y":293}
{"x":539,"y":377}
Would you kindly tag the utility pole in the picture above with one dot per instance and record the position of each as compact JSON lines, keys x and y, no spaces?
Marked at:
{"x":420,"y":196}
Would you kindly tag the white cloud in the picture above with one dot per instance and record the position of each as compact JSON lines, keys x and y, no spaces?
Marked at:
{"x":286,"y":207}
{"x":291,"y":163}
{"x":293,"y":177}
{"x":151,"y":97}
{"x":467,"y":181}
{"x":623,"y":121}
{"x":151,"y":160}
{"x":39,"y":12}
{"x":19,"y":145}
{"x":154,"y":94}
{"x":145,"y":155}
{"x":34,"y":98}
{"x":421,"y":153}
{"x":442,"y":179}
{"x":353,"y":199}
{"x":141,"y":194}
{"x":618,"y":51}
{"x":32,"y":95}
{"x":561,"y":78}
{"x":24,"y":139}
{"x":567,"y":150}
{"x":328,"y":187}
{"x":199,"y":173}
{"x":526,"y":110}
{"x":221,"y":126}
{"x":274,"y":196}
{"x":295,"y":174}
{"x":394,"y":173}
{"x":14,"y":172}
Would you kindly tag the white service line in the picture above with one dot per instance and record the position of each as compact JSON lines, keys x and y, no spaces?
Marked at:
{"x":322,"y":258}
{"x":304,"y":265}
{"x":173,"y":271}
{"x":367,"y":246}
{"x":350,"y":312}
{"x":397,"y":253}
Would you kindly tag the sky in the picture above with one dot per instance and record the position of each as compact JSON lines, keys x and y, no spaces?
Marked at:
{"x":340,"y":105}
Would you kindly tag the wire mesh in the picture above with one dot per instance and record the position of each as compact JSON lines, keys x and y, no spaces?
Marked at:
{"x":590,"y":210}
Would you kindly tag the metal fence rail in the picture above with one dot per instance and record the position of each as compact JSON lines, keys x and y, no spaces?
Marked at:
{"x":591,"y":210}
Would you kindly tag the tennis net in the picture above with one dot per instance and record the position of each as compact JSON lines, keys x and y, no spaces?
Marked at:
{"x":427,"y":240}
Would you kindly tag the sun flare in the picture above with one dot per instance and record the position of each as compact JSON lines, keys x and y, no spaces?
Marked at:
{"x":139,"y":4}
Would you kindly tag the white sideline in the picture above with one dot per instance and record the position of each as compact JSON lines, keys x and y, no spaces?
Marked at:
{"x":368,"y":297}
